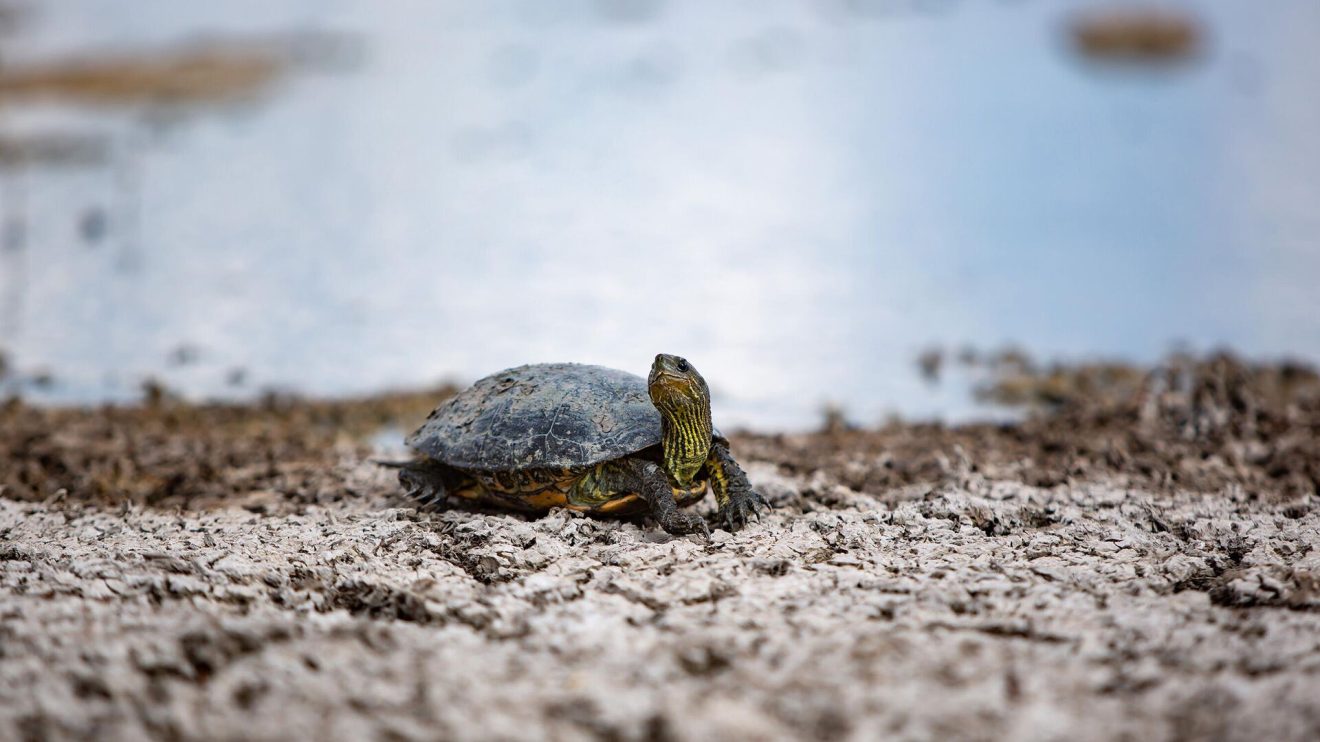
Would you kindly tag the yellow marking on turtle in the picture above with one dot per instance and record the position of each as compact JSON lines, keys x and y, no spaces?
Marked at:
{"x":547,"y":500}
{"x":473,"y":491}
{"x":575,"y":489}
{"x":719,"y":482}
{"x":618,"y":505}
{"x":533,"y":489}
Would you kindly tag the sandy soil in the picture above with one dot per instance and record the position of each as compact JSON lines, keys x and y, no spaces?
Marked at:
{"x":1095,"y":572}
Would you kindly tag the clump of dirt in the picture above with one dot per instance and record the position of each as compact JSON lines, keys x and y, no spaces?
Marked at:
{"x":1137,"y":35}
{"x":1207,"y":424}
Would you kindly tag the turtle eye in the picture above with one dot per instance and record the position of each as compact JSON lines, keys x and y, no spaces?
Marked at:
{"x":682,"y":365}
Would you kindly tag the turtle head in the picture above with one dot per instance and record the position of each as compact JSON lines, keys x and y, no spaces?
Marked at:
{"x":674,"y":383}
{"x":683,"y":398}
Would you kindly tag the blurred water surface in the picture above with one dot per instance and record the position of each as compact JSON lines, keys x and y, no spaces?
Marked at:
{"x":798,"y":196}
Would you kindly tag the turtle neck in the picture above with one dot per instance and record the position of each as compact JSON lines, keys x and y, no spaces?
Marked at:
{"x":685,"y":433}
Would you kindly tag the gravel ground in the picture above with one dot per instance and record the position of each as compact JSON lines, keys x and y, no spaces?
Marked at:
{"x":1139,"y":559}
{"x":975,"y":609}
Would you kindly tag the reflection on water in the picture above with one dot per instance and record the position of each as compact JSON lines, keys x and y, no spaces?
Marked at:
{"x":799,"y":196}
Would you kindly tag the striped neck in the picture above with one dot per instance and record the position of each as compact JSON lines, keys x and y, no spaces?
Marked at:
{"x":685,"y":432}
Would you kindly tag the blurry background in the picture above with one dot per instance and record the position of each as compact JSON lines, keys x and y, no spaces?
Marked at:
{"x":801,"y":196}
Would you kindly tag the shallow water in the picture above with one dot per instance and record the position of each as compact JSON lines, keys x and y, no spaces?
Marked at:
{"x":797,"y":196}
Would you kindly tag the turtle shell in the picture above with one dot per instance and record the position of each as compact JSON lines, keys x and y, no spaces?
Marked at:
{"x":542,"y":416}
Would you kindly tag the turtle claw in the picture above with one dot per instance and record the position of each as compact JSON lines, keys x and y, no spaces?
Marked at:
{"x":426,"y":492}
{"x":743,"y":505}
{"x":679,"y":524}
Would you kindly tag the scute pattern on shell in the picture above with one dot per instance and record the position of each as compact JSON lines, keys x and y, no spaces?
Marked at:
{"x":542,"y":415}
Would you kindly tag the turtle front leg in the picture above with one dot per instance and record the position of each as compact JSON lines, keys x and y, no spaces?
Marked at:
{"x":733,"y":492}
{"x":648,"y":480}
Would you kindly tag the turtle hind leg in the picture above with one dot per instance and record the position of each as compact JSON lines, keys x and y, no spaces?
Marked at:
{"x":427,"y":482}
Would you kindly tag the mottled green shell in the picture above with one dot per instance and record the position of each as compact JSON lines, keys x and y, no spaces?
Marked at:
{"x":542,"y":416}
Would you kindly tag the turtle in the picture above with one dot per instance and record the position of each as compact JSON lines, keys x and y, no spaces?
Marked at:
{"x":583,"y":437}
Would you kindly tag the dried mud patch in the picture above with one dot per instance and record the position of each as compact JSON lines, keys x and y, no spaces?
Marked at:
{"x":1108,"y":570}
{"x":991,"y":610}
